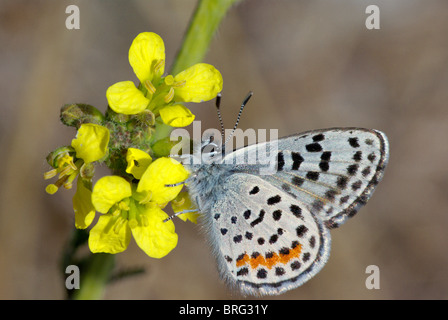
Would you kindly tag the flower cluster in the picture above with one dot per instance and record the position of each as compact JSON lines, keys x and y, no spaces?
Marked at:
{"x":132,"y":199}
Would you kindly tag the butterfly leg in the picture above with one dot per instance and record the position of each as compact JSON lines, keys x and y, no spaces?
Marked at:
{"x":178,"y":213}
{"x":179,"y":183}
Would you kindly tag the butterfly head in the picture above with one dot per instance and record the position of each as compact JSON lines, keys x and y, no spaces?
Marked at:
{"x":210,"y":149}
{"x":213,"y":146}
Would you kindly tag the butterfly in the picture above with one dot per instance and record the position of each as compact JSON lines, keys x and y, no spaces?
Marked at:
{"x":271,"y":232}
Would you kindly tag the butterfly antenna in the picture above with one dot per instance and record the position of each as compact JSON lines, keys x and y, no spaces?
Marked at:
{"x":249,"y":95}
{"x":218,"y":110}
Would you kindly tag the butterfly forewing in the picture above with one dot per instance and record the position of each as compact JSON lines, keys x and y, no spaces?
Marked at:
{"x":332,"y":172}
{"x":266,"y":242}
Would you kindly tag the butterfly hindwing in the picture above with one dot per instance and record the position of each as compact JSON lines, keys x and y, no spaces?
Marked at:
{"x":333,"y":172}
{"x":265,"y":241}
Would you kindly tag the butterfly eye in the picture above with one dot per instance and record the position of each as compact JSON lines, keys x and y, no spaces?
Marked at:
{"x":209,"y":148}
{"x":208,"y":142}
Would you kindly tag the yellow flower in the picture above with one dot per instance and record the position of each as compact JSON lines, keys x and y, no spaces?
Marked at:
{"x":130,"y":210}
{"x":109,"y":191}
{"x":124,"y":97}
{"x":161,"y":172}
{"x":155,"y":237}
{"x":124,"y":216}
{"x":138,"y":161}
{"x":91,"y":142}
{"x":183,"y":203}
{"x":147,"y":56}
{"x":111,"y":234}
{"x":82,"y":205}
{"x":200,"y":82}
{"x":176,"y":115}
{"x":63,"y":162}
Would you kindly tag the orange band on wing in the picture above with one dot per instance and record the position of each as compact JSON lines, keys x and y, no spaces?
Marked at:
{"x":276,"y":258}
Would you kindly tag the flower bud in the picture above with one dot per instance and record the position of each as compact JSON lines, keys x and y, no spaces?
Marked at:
{"x":74,"y":115}
{"x":87,"y":171}
{"x":117,"y":117}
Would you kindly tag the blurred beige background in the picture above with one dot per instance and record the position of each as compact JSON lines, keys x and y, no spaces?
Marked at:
{"x":311,"y":64}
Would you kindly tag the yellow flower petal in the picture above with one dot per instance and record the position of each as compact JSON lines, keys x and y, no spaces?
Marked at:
{"x":147,"y":56}
{"x":183,"y":203}
{"x":110,"y":235}
{"x":108,"y":191}
{"x":138,"y":162}
{"x":155,"y":237}
{"x":91,"y":142}
{"x":124,"y":97}
{"x":159,"y":173}
{"x":176,"y":115}
{"x":202,"y":83}
{"x":82,"y":205}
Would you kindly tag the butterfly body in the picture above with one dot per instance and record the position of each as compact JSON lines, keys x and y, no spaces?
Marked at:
{"x":270,"y":230}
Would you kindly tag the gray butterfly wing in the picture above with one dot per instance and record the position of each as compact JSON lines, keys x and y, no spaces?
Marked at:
{"x":264,"y":240}
{"x":332,"y":172}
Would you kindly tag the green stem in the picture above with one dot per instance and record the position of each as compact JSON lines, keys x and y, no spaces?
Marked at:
{"x":94,"y":279}
{"x":202,"y":28}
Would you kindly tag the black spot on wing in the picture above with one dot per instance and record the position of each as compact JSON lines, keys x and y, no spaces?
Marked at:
{"x":297,"y":181}
{"x":277,"y":214}
{"x":313,"y":147}
{"x":366,"y":171}
{"x":318,"y":137}
{"x":356,"y":185}
{"x":357,"y":156}
{"x":371,"y":157}
{"x":262,"y":274}
{"x":353,"y":142}
{"x":280,"y":161}
{"x":259,"y":219}
{"x":296,"y":210}
{"x":312,"y":175}
{"x":273,"y":239}
{"x":273,"y":200}
{"x":295,"y":265}
{"x":324,"y":166}
{"x":325,"y":156}
{"x":297,"y":160}
{"x":255,"y":190}
{"x":352,"y":169}
{"x":243,"y":272}
{"x":342,"y":182}
{"x":279,"y":271}
{"x":301,"y":230}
